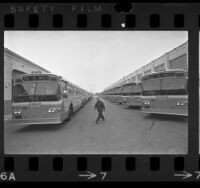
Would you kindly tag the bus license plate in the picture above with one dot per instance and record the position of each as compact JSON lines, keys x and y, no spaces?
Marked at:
{"x":35,"y":104}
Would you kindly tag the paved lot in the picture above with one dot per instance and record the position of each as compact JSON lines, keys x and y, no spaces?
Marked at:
{"x":125,"y":130}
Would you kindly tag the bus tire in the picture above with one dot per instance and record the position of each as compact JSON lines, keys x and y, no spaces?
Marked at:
{"x":71,"y":111}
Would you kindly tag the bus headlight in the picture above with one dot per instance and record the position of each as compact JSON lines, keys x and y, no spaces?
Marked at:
{"x":181,"y":103}
{"x":146,"y":102}
{"x":54,"y":110}
{"x":17,"y":112}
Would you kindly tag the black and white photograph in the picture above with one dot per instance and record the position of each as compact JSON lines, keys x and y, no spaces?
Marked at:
{"x":96,"y":92}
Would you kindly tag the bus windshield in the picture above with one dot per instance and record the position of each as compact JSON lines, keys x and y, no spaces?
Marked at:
{"x":174,"y":86}
{"x":132,"y":89}
{"x":151,"y":87}
{"x":37,"y":91}
{"x":137,"y":89}
{"x":165,"y":86}
{"x":127,"y":89}
{"x":118,"y":90}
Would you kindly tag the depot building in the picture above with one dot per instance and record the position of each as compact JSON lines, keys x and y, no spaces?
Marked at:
{"x":14,"y":65}
{"x":176,"y":58}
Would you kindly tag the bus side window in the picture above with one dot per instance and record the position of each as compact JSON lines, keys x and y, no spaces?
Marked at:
{"x":66,"y":88}
{"x":70,"y":90}
{"x":63,"y":85}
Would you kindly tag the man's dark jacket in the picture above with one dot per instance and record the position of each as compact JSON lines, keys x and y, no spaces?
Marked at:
{"x":99,"y":106}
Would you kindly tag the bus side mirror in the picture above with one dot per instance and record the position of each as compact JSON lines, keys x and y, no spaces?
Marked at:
{"x":65,"y":94}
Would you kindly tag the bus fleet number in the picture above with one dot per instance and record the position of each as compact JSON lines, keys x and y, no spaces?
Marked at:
{"x":4,"y":176}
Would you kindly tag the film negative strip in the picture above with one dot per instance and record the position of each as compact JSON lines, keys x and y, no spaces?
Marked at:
{"x":63,"y":63}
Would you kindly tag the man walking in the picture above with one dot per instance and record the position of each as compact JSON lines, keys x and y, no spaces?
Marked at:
{"x":100,"y":108}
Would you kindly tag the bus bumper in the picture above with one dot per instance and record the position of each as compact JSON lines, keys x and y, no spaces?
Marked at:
{"x":165,"y":111}
{"x":131,"y":104}
{"x":35,"y":121}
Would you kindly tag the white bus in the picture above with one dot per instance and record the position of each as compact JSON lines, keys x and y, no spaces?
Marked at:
{"x":132,"y":94}
{"x":165,"y":93}
{"x":44,"y":99}
{"x":117,"y":96}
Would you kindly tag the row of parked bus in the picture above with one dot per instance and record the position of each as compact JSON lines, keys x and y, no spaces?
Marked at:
{"x":157,"y":93}
{"x":45,"y":99}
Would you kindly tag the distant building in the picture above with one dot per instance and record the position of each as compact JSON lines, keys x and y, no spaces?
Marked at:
{"x":174,"y":59}
{"x":15,"y":64}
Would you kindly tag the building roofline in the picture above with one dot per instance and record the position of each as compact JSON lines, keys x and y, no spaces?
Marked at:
{"x":24,"y":59}
{"x":165,"y":54}
{"x":15,"y":55}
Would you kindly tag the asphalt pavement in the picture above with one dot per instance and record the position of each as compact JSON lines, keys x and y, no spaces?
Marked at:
{"x":125,"y":131}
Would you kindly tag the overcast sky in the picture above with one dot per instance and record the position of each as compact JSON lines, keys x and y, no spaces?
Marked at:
{"x":92,"y":59}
